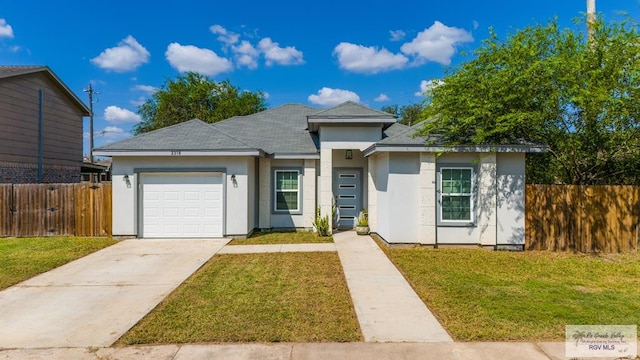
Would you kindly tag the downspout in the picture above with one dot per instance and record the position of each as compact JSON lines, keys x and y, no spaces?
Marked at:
{"x":437,"y":204}
{"x":40,"y":133}
{"x":495,"y":189}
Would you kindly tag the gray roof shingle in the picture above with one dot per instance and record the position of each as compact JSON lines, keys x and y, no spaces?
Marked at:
{"x":351,"y":110}
{"x":281,"y":130}
{"x":405,"y":136}
{"x":278,"y":130}
{"x":190,"y":135}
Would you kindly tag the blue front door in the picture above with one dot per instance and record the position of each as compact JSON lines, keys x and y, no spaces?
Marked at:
{"x":347,"y":187}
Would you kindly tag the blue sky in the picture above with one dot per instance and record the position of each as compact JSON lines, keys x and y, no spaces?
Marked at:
{"x":317,"y":54}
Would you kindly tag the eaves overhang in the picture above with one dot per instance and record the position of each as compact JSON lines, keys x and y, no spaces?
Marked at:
{"x":176,"y":153}
{"x":377,"y":148}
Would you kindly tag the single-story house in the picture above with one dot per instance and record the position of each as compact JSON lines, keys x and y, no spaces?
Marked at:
{"x":273,"y":169}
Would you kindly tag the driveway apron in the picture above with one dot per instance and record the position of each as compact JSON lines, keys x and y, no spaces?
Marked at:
{"x":387,"y":308}
{"x":94,"y":300}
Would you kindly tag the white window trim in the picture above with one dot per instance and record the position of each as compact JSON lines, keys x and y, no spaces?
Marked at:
{"x":472,"y":195}
{"x":275,"y":192}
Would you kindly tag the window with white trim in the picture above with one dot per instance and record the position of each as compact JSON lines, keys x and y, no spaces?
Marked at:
{"x":287,"y":190}
{"x":456,"y":195}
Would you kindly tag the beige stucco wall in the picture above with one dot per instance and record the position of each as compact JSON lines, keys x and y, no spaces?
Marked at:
{"x":404,"y":188}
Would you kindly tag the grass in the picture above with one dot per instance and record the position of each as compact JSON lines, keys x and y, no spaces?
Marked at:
{"x":293,"y":237}
{"x":276,"y":297}
{"x":23,"y":258}
{"x":521,"y":296}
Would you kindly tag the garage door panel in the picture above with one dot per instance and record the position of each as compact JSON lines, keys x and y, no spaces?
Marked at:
{"x":182,"y":205}
{"x":170,"y":195}
{"x":152,"y":195}
{"x":171,"y":213}
{"x":213,"y":228}
{"x":212,"y":195}
{"x":192,"y":213}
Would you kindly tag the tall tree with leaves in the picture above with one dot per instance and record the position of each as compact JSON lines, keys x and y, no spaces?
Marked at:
{"x":407,"y":114}
{"x":547,"y":85}
{"x":192,"y":96}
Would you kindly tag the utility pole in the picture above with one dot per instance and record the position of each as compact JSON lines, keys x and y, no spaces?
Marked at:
{"x":591,"y":19}
{"x":90,"y":92}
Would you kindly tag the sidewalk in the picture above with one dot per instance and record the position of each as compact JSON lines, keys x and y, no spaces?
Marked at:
{"x":395,"y":322}
{"x":321,"y":351}
{"x":388,"y":309}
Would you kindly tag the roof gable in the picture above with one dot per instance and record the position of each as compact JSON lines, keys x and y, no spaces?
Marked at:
{"x":279,"y":130}
{"x":350,"y":110}
{"x":192,"y":135}
{"x":350,"y":113}
{"x":11,"y":71}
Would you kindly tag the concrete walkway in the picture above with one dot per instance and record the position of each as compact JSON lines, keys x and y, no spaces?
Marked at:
{"x":252,"y":249}
{"x":94,"y":300}
{"x":281,"y":351}
{"x":387,"y":307}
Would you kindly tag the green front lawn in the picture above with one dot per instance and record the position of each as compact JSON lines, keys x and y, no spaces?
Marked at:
{"x":480,"y":295}
{"x":293,"y":237}
{"x":23,"y":258}
{"x":274,"y":297}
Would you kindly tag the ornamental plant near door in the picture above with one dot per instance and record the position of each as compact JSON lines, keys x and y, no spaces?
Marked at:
{"x":362,"y":226}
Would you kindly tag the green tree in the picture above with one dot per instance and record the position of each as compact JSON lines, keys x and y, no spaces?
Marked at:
{"x":407,"y":114}
{"x":192,"y":96}
{"x":547,"y":85}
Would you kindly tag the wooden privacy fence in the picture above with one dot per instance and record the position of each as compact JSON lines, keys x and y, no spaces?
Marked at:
{"x":601,"y":218}
{"x":55,"y":209}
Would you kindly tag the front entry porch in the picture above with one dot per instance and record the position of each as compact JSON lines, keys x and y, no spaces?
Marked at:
{"x":342,"y":190}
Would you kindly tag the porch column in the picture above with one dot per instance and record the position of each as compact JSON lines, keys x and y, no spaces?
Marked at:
{"x":326,"y":191}
{"x":309,"y":193}
{"x":487,"y":199}
{"x":427,"y":202}
{"x":264,"y":201}
{"x":372,"y":205}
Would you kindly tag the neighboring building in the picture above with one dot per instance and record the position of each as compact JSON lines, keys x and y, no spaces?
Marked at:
{"x":98,"y":171}
{"x":41,"y":122}
{"x":273,"y":170}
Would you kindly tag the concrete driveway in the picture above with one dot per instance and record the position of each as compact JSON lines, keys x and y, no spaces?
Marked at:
{"x":94,"y":300}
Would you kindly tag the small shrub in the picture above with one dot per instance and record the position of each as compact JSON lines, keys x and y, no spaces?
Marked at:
{"x":363,"y":218}
{"x":321,"y":223}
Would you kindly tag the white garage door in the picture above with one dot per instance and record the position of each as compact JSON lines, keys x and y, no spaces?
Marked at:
{"x":182,"y":205}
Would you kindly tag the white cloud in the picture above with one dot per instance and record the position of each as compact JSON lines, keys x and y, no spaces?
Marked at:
{"x":331,"y":97}
{"x":127,"y":56}
{"x":224,"y":36}
{"x":273,"y":53}
{"x":369,"y":60}
{"x":397,"y":35}
{"x":112,"y":132}
{"x":437,"y":43}
{"x":246,"y":54}
{"x":382,"y":98}
{"x":5,"y":29}
{"x":139,"y":101}
{"x":117,"y":115}
{"x":146,"y":88}
{"x":428,"y":85}
{"x":191,"y":58}
{"x":266,"y":94}
{"x":475,"y":24}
